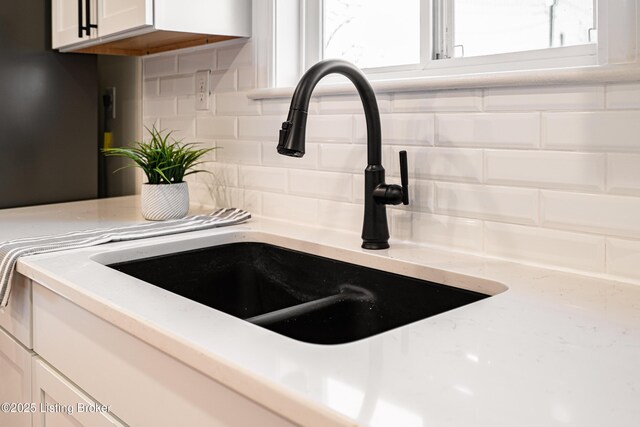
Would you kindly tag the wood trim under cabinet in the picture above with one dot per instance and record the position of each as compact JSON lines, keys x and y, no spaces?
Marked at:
{"x":154,"y":42}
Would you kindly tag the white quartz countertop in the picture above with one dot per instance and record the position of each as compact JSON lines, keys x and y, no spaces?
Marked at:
{"x":552,"y":349}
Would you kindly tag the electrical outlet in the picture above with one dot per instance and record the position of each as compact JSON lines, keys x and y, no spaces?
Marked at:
{"x":202,"y":101}
{"x":202,"y":89}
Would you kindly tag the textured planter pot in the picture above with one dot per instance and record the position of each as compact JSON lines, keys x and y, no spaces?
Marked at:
{"x":165,"y":201}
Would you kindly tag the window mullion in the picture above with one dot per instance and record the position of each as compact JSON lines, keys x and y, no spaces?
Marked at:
{"x":443,"y":21}
{"x":313,"y":33}
{"x":426,"y":32}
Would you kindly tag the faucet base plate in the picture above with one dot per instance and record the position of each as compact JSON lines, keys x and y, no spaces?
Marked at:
{"x":375,"y":245}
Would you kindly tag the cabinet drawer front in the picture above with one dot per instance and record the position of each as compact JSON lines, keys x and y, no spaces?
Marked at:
{"x":15,"y":380}
{"x":16,"y":317}
{"x":142,"y":385}
{"x":60,"y":403}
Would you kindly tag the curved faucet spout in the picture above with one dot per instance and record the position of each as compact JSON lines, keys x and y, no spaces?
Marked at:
{"x":292,"y":143}
{"x":377,"y":194}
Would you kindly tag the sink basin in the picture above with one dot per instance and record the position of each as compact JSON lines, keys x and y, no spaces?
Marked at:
{"x":302,"y":296}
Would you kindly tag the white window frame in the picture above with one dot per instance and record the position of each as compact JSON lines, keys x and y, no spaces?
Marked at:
{"x":289,"y":53}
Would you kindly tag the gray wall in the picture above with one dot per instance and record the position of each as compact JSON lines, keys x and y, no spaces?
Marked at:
{"x":48,"y":112}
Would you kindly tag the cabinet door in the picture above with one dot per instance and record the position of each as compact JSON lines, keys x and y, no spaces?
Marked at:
{"x":61,"y":404}
{"x":121,"y":15}
{"x":16,"y":317}
{"x":66,"y":18}
{"x":15,"y":381}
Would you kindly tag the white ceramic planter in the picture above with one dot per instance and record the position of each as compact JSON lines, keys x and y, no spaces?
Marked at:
{"x":165,"y":201}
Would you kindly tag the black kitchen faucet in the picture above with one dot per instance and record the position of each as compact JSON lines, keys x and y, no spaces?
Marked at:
{"x":377,"y":194}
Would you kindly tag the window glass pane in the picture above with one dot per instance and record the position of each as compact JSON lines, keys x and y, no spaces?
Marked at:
{"x":372,"y":33}
{"x":498,"y":26}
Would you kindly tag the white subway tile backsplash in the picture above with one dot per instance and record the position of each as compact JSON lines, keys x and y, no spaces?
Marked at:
{"x":195,"y":61}
{"x":325,"y":185}
{"x":217,"y":127}
{"x":342,"y":216}
{"x":187,"y":105}
{"x":439,"y":163}
{"x":445,"y":100}
{"x":260,"y":127}
{"x":561,"y":248}
{"x":236,"y":103}
{"x":235,"y":56}
{"x":290,"y":208}
{"x":358,"y":188}
{"x":177,"y":85}
{"x":414,"y":129}
{"x":536,"y":174}
{"x":223,"y":81}
{"x":246,"y":77}
{"x":421,"y":195}
{"x":514,"y":130}
{"x":150,"y":88}
{"x":253,"y":202}
{"x":276,"y":107}
{"x":225,"y":175}
{"x":546,"y":169}
{"x":270,"y":157}
{"x":595,"y":213}
{"x":155,"y":107}
{"x":623,"y":173}
{"x":242,"y":152}
{"x":182,"y":127}
{"x":159,"y":66}
{"x":263,"y":178}
{"x":544,"y":98}
{"x":350,"y":104}
{"x":518,"y":205}
{"x":343,"y":157}
{"x":623,"y":96}
{"x":202,"y":193}
{"x":149,"y":123}
{"x":225,"y":197}
{"x":209,"y":158}
{"x":440,"y":230}
{"x":599,"y":131}
{"x":623,"y":257}
{"x":280,"y":107}
{"x":400,"y":225}
{"x":329,"y":128}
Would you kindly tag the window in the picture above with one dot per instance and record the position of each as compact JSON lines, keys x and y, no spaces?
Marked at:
{"x":416,"y":36}
{"x":501,"y":26}
{"x":372,"y":33}
{"x":400,"y":39}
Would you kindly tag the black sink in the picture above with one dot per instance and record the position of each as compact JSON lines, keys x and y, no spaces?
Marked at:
{"x":303,"y":296}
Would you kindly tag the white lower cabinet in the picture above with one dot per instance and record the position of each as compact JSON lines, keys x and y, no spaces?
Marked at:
{"x":143,"y":386}
{"x":83,"y":371}
{"x":58,"y":403}
{"x":15,"y":382}
{"x":15,"y":318}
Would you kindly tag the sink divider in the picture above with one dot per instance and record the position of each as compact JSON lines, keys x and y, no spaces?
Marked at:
{"x":268,"y":319}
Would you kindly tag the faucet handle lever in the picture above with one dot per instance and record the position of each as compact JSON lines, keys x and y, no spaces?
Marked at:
{"x":404,"y":177}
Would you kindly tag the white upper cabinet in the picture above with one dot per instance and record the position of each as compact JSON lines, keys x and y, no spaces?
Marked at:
{"x":140,"y":27}
{"x":123,"y":15}
{"x":68,"y":18}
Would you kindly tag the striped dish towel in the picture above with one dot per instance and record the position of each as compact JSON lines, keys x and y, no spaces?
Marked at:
{"x":12,"y":250}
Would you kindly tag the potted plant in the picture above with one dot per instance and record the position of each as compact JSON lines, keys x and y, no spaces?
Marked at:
{"x":165,"y":163}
